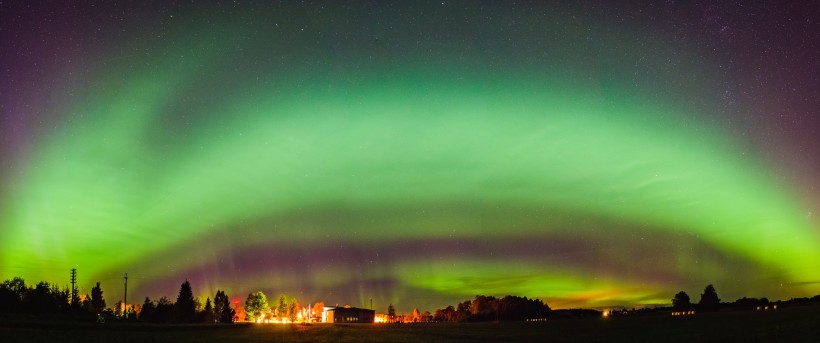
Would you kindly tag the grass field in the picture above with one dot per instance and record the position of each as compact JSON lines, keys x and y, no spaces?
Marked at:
{"x":798,"y":324}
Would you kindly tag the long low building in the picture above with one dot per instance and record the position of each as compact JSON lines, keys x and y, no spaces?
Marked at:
{"x":348,"y":315}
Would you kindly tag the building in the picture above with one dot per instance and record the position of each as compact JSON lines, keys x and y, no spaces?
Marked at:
{"x":348,"y":314}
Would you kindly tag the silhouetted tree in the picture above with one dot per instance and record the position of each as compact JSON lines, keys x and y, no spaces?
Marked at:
{"x":391,"y":311}
{"x":147,"y":310}
{"x":97,"y":300}
{"x":11,"y":294}
{"x":10,"y":298}
{"x":517,"y":308}
{"x":750,"y":302}
{"x":207,"y":314}
{"x":85,"y":305}
{"x":222,"y":308}
{"x":185,"y":308}
{"x":63,"y":295}
{"x":681,"y":301}
{"x":438,"y":315}
{"x":709,"y":300}
{"x":220,"y":301}
{"x":164,"y":312}
{"x":43,"y":299}
{"x":256,"y":305}
{"x":463,"y":311}
{"x":416,"y":315}
{"x":483,"y":308}
{"x":445,"y":315}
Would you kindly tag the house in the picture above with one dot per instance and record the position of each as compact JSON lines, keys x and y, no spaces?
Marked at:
{"x":348,"y":314}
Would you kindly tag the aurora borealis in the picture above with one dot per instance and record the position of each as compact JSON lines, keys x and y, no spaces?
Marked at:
{"x":416,"y":154}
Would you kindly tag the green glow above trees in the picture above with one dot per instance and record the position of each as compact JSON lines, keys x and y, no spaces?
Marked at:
{"x":163,"y":162}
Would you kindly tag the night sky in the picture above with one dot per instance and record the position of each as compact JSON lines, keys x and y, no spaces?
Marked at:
{"x":589,"y":154}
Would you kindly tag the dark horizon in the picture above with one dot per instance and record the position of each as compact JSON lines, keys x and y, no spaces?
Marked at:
{"x":237,"y":300}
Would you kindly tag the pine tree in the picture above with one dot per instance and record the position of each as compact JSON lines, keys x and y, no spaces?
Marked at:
{"x":208,"y":311}
{"x":97,"y":300}
{"x":222,"y":308}
{"x":147,"y":310}
{"x":185,"y":308}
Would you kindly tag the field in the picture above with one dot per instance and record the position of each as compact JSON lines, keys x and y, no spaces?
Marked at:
{"x":798,"y":324}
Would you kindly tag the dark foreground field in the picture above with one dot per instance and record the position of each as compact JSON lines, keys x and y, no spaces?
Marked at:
{"x":801,"y":324}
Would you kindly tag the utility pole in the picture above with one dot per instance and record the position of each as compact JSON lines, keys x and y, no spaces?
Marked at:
{"x":371,"y":303}
{"x":125,"y":297}
{"x":73,"y":286}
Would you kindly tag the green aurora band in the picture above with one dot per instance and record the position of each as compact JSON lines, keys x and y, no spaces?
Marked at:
{"x":151,"y":171}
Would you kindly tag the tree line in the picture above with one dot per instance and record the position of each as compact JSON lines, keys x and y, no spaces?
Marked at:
{"x":187,"y":309}
{"x":709,"y":301}
{"x":489,"y":308}
{"x":284,"y":309}
{"x":50,"y":300}
{"x":42,"y":298}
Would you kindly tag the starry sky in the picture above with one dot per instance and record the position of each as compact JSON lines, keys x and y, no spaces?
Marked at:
{"x":588,"y":154}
